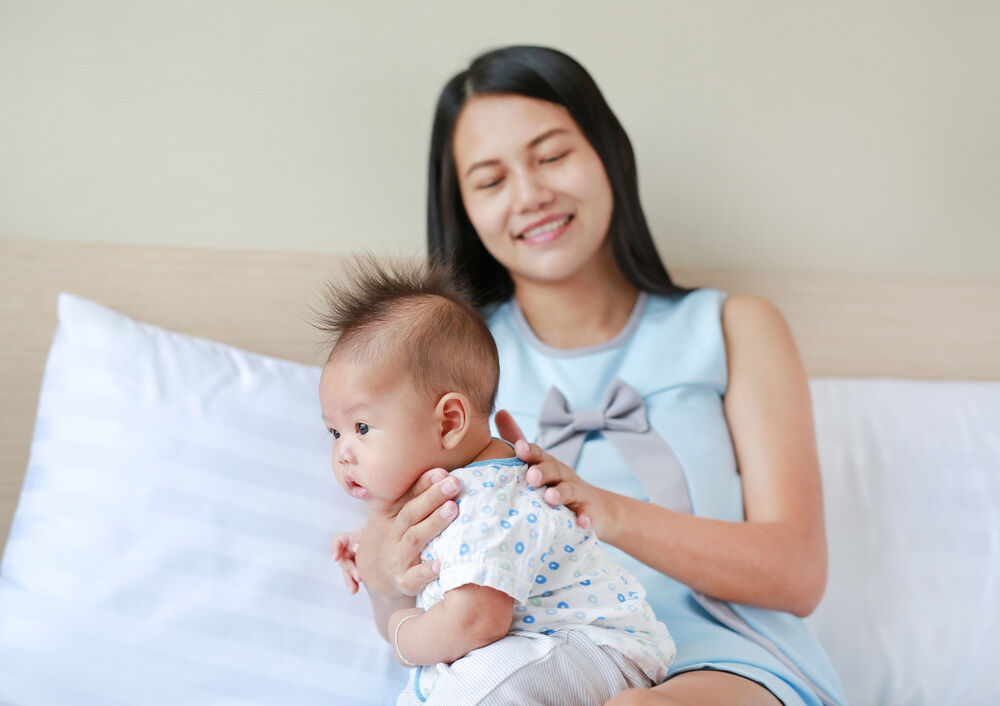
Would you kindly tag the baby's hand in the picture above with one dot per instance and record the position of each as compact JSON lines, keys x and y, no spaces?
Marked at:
{"x":344,"y":547}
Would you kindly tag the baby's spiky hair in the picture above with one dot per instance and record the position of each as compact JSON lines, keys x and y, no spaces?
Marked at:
{"x":418,"y":314}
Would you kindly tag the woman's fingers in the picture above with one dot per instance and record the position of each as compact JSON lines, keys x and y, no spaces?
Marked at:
{"x":418,"y":522}
{"x":530,"y":453}
{"x":571,"y":495}
{"x":509,"y":430}
{"x":416,"y":577}
{"x":507,"y":427}
{"x":547,"y":471}
{"x":412,"y":542}
{"x":433,"y":509}
{"x":426,"y":480}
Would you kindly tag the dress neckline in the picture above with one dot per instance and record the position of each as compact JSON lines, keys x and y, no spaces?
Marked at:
{"x":535,"y":342}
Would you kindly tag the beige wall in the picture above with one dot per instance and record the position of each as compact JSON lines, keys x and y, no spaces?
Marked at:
{"x":846,"y":137}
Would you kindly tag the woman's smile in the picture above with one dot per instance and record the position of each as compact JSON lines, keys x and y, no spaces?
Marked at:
{"x":545,"y":230}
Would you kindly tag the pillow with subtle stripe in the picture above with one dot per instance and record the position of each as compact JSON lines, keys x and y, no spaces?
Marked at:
{"x":171,"y":544}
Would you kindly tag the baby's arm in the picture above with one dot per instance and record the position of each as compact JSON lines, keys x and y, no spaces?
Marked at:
{"x":468,"y":617}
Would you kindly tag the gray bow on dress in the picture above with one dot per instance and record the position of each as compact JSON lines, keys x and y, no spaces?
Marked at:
{"x":621,"y":418}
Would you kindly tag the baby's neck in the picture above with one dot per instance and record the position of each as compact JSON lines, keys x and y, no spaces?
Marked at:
{"x":479,"y":445}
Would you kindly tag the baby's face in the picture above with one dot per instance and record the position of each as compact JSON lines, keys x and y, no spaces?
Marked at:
{"x":383,"y":429}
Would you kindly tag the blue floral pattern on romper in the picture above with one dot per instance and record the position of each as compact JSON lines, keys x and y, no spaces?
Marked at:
{"x":508,"y":538}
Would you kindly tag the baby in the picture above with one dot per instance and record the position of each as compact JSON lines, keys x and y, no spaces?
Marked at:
{"x":527,"y":606}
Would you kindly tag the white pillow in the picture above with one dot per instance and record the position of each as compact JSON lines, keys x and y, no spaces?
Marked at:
{"x":171,"y":544}
{"x":172,"y":540}
{"x":911,"y":480}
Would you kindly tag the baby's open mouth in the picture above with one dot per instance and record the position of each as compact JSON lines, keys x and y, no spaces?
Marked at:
{"x":355,"y":489}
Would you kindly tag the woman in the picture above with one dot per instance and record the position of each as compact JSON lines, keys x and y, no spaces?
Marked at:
{"x":676,"y":423}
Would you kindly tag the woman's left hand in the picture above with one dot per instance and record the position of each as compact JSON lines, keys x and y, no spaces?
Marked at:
{"x":565,"y":487}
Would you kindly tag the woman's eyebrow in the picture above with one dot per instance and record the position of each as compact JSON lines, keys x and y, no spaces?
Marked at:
{"x":546,"y":135}
{"x":483,"y":163}
{"x":534,"y":143}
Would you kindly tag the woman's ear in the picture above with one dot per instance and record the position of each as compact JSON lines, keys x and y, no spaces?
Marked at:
{"x":452,"y":418}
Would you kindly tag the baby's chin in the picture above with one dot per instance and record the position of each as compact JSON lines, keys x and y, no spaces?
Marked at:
{"x":376,"y":504}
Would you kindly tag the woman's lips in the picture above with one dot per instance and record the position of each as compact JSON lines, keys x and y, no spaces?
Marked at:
{"x":546,"y":230}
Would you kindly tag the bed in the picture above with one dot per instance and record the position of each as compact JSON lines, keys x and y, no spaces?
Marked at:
{"x":169,"y":540}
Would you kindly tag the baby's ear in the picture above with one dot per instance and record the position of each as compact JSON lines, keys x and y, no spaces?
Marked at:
{"x":452,"y":418}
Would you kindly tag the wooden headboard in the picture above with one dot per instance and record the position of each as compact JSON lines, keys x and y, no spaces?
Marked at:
{"x":261,"y":301}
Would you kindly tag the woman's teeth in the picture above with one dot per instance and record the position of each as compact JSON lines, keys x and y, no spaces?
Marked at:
{"x":545,"y":228}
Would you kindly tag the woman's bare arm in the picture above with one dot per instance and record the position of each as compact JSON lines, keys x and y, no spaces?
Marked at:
{"x":777,"y":557}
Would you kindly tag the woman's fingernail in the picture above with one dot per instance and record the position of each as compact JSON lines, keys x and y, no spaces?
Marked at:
{"x":449,"y":487}
{"x":521,"y":447}
{"x":436,"y":567}
{"x":438,"y":474}
{"x":449,"y":510}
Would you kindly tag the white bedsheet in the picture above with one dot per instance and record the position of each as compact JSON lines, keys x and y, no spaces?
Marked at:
{"x":911,"y":475}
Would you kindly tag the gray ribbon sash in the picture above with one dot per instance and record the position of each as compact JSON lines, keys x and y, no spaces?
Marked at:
{"x":621,"y":419}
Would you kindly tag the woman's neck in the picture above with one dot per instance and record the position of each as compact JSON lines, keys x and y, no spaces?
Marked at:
{"x":584,"y":311}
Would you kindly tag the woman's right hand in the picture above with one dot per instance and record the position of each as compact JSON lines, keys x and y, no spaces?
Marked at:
{"x":565,"y":487}
{"x":388,"y":548}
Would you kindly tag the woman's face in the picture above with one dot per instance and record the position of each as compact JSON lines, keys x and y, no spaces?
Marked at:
{"x":534,"y":188}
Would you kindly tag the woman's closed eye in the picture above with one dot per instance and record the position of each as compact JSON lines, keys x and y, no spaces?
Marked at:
{"x":361,"y":428}
{"x":556,"y":157}
{"x":491,"y":183}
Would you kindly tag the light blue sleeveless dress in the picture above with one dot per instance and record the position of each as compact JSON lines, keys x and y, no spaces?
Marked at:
{"x":667,"y":367}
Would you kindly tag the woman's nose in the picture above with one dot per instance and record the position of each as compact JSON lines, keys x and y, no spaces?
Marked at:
{"x":531,"y":191}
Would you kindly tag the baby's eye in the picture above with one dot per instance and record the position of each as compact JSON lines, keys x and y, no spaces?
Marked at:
{"x":334,"y":432}
{"x":362,"y":428}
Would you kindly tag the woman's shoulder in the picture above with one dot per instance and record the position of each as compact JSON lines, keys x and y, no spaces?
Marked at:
{"x":691,"y":314}
{"x":707,"y":308}
{"x":749,"y":320}
{"x":760,"y":347}
{"x":749,"y":307}
{"x":702,"y":299}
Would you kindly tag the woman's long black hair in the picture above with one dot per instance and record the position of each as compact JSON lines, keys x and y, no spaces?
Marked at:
{"x":549,"y":75}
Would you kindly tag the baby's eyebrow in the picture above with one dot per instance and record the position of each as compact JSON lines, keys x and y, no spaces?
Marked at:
{"x":347,"y":412}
